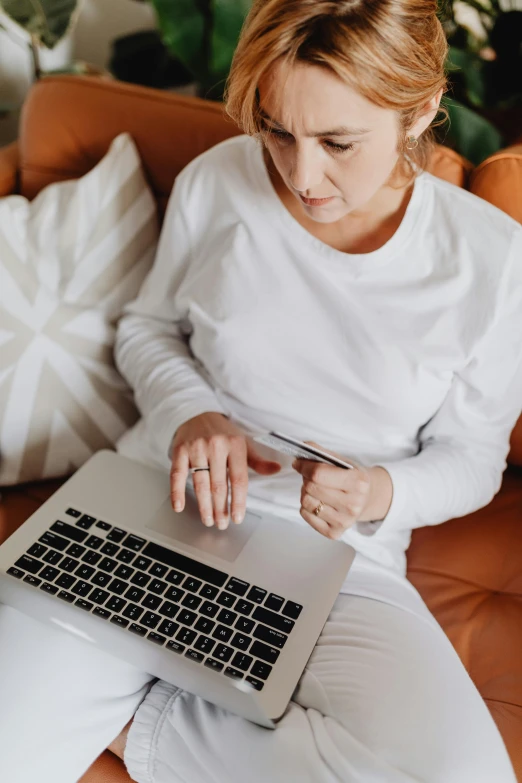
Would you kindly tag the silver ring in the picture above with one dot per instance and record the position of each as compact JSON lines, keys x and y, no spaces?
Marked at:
{"x":195,"y":470}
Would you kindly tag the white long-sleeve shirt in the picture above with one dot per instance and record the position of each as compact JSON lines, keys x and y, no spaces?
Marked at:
{"x":408,"y":357}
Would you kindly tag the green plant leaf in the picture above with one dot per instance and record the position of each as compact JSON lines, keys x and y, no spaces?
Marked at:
{"x":182,"y":26}
{"x":47,"y":20}
{"x":471,"y":67}
{"x":229,"y":16}
{"x":470,"y":134}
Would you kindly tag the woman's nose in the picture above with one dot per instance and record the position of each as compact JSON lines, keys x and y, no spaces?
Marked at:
{"x":305,"y":171}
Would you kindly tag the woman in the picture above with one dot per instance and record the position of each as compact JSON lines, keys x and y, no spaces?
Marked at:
{"x":369,"y":324}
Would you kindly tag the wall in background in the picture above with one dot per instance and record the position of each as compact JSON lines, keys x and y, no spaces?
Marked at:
{"x":99,"y":23}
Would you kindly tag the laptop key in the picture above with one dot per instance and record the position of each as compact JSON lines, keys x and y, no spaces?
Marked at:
{"x":151,"y":601}
{"x":268,"y":635}
{"x":82,"y":588}
{"x":37,"y":550}
{"x":115,"y":604}
{"x":194,"y":655}
{"x":204,"y":644}
{"x":83,"y":604}
{"x":141,"y":562}
{"x":263,"y":651}
{"x":124,"y":572}
{"x":65,"y":596}
{"x":49,"y":588}
{"x":134,"y":594}
{"x":192,"y":584}
{"x":209,"y":591}
{"x":234,"y":673}
{"x":175,"y":646}
{"x":32,"y":580}
{"x":174,"y":594}
{"x":242,"y":661}
{"x":84,"y":571}
{"x":64,"y":529}
{"x":260,"y":669}
{"x":108,"y":564}
{"x":69,"y":564}
{"x":244,"y":625}
{"x":226,"y":599}
{"x":94,"y":542}
{"x":101,"y":579}
{"x":168,"y":628}
{"x":209,"y":609}
{"x":204,"y":625}
{"x":169,"y":609}
{"x":57,"y":542}
{"x":226,"y":616}
{"x":223,"y":652}
{"x":103,"y":613}
{"x":117,"y":586}
{"x":134,"y":542}
{"x":49,"y":573}
{"x":126,"y":556}
{"x":52,"y":557}
{"x":274,"y":602}
{"x":256,"y":594}
{"x":27,"y":563}
{"x":237,"y":586}
{"x":103,"y":525}
{"x":157,"y":586}
{"x":66,"y":580}
{"x":99,"y":596}
{"x":17,"y":572}
{"x":157,"y":638}
{"x":241,"y":641}
{"x":73,"y":512}
{"x":137,"y":629}
{"x":140,"y":579}
{"x":258,"y":684}
{"x":116,"y":535}
{"x":292,"y":610}
{"x":186,"y":617}
{"x":212,"y":664}
{"x":191,"y":601}
{"x":119,"y":621}
{"x":159,"y":570}
{"x":86,"y":521}
{"x":221,"y":633}
{"x":150,"y":619}
{"x":273,"y":620}
{"x":176,"y":578}
{"x":109,"y":548}
{"x":91,"y":557}
{"x":244,"y":607}
{"x":133,"y":612}
{"x":186,"y":635}
{"x":75,"y":550}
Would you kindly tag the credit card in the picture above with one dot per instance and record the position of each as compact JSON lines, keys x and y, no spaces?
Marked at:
{"x":296,"y":448}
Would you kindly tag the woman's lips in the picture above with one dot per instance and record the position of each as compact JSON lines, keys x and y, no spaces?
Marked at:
{"x":316,"y":202}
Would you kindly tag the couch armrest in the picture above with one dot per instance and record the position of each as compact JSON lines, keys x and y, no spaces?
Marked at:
{"x":9,"y":169}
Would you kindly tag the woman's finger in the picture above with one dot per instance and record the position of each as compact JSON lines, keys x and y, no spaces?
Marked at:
{"x":219,"y":447}
{"x":178,"y":477}
{"x":238,"y":477}
{"x":349,"y":503}
{"x":336,"y":521}
{"x":198,"y":458}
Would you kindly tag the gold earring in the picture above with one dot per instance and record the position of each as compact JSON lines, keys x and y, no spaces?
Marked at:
{"x":411,"y":143}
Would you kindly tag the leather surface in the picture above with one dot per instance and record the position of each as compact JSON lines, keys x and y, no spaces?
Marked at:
{"x":469,"y":571}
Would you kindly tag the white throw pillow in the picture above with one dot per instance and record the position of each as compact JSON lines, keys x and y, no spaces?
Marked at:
{"x":69,"y":262}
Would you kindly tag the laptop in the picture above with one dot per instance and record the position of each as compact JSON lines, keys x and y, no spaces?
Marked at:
{"x":231,"y":616}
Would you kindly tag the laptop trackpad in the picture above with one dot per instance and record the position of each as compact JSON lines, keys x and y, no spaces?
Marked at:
{"x":187,"y":528}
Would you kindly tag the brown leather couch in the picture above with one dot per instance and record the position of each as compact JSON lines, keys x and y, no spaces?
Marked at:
{"x":468,"y":570}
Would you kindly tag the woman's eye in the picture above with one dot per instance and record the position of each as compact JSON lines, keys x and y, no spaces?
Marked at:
{"x":331,"y":144}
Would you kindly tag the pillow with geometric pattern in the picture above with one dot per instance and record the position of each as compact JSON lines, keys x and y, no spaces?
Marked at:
{"x":69,"y":262}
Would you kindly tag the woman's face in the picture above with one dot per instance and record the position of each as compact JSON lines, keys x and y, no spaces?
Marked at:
{"x":350,"y":166}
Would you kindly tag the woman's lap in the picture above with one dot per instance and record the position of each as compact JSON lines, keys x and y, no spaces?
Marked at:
{"x":384,"y":698}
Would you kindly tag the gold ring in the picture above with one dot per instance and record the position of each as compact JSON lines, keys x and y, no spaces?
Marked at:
{"x":319,"y":508}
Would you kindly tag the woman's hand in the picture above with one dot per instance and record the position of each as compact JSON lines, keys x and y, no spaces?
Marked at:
{"x":210,"y":439}
{"x":342,"y":495}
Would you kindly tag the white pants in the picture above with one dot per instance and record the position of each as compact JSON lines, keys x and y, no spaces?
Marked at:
{"x":384,"y":699}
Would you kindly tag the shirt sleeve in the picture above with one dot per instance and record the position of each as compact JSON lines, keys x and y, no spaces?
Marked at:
{"x":463,"y":448}
{"x":151,"y":350}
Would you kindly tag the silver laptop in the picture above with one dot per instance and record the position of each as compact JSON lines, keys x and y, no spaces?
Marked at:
{"x":231,"y":616}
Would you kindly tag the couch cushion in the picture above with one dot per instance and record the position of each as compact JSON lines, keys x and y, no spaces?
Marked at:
{"x":70,"y":260}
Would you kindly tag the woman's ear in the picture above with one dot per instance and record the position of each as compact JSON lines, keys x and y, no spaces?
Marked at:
{"x":426,"y":115}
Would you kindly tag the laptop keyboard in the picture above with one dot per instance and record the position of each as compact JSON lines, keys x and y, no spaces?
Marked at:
{"x":175,"y":602}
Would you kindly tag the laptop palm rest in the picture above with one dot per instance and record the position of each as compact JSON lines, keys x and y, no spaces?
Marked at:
{"x":187,"y":528}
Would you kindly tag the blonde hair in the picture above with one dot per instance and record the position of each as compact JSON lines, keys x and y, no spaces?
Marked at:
{"x":391,"y":51}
